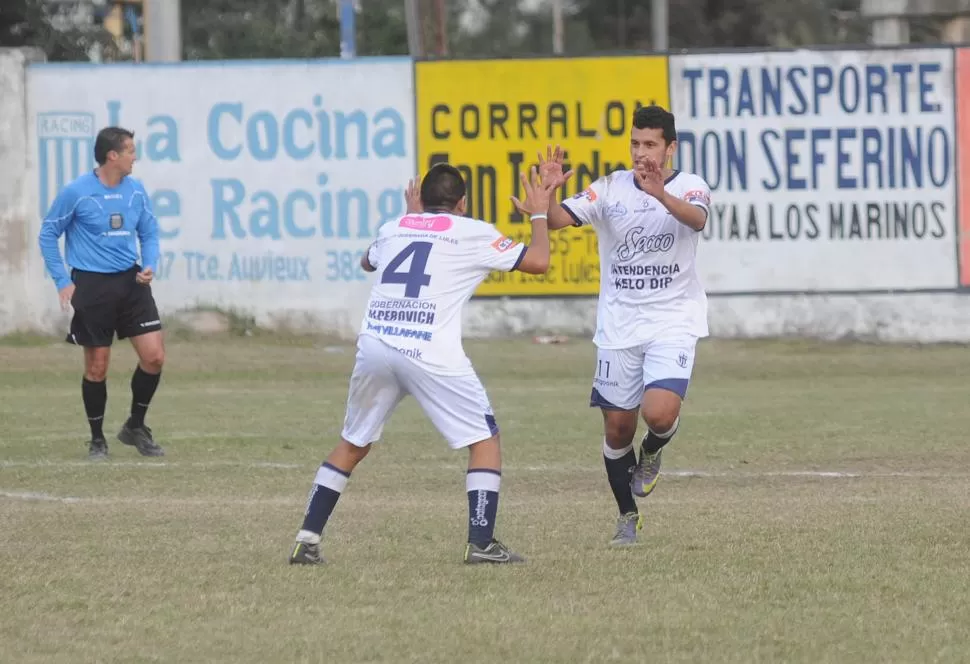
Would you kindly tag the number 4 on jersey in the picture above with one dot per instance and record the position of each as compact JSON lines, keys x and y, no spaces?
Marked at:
{"x":414,"y":278}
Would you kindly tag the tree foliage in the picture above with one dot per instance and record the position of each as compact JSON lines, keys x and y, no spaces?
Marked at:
{"x":233,"y":29}
{"x":30,"y":23}
{"x":697,"y":24}
{"x":228,"y":29}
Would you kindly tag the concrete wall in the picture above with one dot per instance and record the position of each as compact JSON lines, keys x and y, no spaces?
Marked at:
{"x":18,"y":253}
{"x":916,"y":318}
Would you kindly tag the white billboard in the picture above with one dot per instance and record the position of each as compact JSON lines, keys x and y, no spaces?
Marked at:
{"x":268,"y":179}
{"x":831,"y":171}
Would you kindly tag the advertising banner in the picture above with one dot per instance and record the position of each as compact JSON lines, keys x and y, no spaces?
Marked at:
{"x":491,"y":118}
{"x":269,"y":180}
{"x":831,"y":171}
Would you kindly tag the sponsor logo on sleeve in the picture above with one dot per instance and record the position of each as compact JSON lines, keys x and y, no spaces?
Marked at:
{"x":503,"y":244}
{"x":697,"y":196}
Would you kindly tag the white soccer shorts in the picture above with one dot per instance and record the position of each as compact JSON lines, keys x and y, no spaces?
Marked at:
{"x":458,"y":406}
{"x":622,"y":376}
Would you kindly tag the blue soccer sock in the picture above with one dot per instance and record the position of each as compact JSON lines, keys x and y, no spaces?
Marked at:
{"x":482,"y":485}
{"x":327,"y":487}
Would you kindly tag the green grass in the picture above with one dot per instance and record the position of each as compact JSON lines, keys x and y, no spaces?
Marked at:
{"x":747,"y":560}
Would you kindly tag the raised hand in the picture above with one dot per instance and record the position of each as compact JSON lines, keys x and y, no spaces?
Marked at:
{"x":550,"y":167}
{"x":650,"y":177}
{"x":412,"y":197}
{"x":538,"y":194}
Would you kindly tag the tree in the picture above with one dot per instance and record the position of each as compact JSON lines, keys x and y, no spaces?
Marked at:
{"x":29,"y":23}
{"x":232,"y":29}
{"x":626,"y":24}
{"x":382,"y":28}
{"x":248,"y":29}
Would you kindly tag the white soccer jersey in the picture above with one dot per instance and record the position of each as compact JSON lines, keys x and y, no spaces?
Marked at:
{"x":648,"y":283}
{"x":428,"y":266}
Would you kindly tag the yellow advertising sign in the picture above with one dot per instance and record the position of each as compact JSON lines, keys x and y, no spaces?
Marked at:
{"x":491,"y":118}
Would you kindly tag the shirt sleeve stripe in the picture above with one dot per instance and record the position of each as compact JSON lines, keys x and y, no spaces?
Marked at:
{"x":518,"y":260}
{"x":576,"y":220}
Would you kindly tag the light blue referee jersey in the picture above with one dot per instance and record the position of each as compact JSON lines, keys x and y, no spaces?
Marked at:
{"x":103,"y":227}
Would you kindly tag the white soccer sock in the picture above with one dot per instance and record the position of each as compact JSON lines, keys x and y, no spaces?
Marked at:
{"x":306,"y":537}
{"x":333,"y":481}
{"x":668,"y":434}
{"x":612,"y":454}
{"x":483,"y":480}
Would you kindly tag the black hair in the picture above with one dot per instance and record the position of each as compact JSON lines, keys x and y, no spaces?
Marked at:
{"x":110,"y":138}
{"x":442,"y":188}
{"x":656,"y":117}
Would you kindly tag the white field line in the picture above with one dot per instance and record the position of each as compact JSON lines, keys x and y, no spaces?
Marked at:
{"x":62,"y":436}
{"x":35,"y":496}
{"x":740,"y":474}
{"x":250,"y":465}
{"x":510,"y":469}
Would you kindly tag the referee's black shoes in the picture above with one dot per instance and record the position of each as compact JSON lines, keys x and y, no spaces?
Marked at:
{"x":141,"y":439}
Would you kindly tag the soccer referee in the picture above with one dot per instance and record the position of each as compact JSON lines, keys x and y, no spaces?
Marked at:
{"x":100,"y":214}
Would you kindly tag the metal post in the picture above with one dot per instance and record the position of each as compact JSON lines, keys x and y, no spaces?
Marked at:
{"x":557,"y":27}
{"x":658,"y":19}
{"x":888,"y":20}
{"x":163,"y":30}
{"x":138,"y":45}
{"x":348,"y":31}
{"x":412,"y":18}
{"x":890,"y":32}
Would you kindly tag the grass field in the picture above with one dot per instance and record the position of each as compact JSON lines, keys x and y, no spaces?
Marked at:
{"x":814,"y":508}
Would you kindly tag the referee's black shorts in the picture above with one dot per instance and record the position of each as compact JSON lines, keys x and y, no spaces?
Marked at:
{"x":106,"y":304}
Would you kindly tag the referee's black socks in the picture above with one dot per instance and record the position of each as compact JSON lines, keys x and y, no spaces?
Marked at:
{"x":143,"y":386}
{"x":95,"y":396}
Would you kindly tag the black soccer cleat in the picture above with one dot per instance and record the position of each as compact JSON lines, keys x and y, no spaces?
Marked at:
{"x":98,"y":449}
{"x":141,"y":439}
{"x":306,"y":554}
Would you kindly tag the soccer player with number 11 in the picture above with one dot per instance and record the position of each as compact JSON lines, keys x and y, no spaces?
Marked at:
{"x":652,"y":308}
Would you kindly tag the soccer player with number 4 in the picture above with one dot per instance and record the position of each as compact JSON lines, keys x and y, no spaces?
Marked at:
{"x":652,"y":308}
{"x":428,"y":264}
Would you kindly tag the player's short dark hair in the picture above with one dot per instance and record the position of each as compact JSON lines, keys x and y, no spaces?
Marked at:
{"x":442,"y":187}
{"x":656,"y":117}
{"x":110,"y":138}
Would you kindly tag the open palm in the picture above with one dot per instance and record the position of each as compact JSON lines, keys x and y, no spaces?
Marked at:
{"x":551,"y":167}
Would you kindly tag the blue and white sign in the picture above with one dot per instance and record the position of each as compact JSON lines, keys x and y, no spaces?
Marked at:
{"x":830,"y":171}
{"x":269,"y":180}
